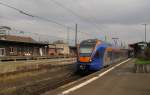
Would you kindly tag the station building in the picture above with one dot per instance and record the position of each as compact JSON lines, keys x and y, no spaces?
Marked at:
{"x":21,"y":46}
{"x":11,"y":45}
{"x":139,"y":48}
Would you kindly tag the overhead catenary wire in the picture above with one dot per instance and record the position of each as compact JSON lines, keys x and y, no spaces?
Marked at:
{"x":31,"y":15}
{"x":76,"y":14}
{"x":80,"y":17}
{"x":38,"y":17}
{"x":96,"y":25}
{"x":45,"y":19}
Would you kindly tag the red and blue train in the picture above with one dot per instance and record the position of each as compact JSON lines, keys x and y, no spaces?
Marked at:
{"x":94,"y":54}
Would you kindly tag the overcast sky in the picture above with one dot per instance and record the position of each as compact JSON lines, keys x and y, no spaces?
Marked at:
{"x":95,"y":18}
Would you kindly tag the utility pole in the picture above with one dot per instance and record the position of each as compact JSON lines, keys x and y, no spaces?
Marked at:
{"x":145,"y":31}
{"x":105,"y":38}
{"x":68,"y":35}
{"x":76,"y":35}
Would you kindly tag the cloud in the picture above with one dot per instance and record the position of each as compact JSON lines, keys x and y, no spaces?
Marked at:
{"x":121,"y":18}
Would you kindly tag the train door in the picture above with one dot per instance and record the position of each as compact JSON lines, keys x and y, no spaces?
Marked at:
{"x":98,"y":58}
{"x":106,"y":58}
{"x":110,"y":57}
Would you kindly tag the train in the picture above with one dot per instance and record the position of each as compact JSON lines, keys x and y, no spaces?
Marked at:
{"x":95,"y":54}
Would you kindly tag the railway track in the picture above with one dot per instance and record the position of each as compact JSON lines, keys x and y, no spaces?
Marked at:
{"x":36,"y":82}
{"x":42,"y":86}
{"x":40,"y":83}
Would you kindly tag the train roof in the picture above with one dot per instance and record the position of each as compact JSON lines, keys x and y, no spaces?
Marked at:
{"x":89,"y":42}
{"x":94,"y":41}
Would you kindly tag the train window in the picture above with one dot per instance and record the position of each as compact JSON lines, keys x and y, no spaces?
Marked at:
{"x":114,"y":55}
{"x":86,"y":50}
{"x":85,"y":54}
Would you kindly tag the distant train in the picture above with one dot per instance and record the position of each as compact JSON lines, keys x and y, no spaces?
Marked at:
{"x":94,"y":54}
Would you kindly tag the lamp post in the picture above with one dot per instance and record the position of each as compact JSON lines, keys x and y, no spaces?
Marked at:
{"x":145,"y":31}
{"x":68,"y":35}
{"x":76,"y":34}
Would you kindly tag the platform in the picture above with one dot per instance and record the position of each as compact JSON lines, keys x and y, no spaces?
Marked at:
{"x":120,"y":80}
{"x":13,"y":66}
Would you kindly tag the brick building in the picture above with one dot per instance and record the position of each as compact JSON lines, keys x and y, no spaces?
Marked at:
{"x":21,"y":46}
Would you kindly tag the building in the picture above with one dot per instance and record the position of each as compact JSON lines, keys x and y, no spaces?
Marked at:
{"x":139,"y":48}
{"x":4,"y":30}
{"x":11,"y":45}
{"x":61,"y":48}
{"x":52,"y":50}
{"x":73,"y":50}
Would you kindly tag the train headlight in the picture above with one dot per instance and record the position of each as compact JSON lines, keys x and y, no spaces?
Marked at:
{"x":90,"y":60}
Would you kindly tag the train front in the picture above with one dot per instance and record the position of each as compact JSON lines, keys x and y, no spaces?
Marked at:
{"x":85,"y":51}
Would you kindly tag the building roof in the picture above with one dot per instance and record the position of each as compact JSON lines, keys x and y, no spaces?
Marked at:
{"x":5,"y":27}
{"x":59,"y":42}
{"x":135,"y":44}
{"x":19,"y":39}
{"x":52,"y":46}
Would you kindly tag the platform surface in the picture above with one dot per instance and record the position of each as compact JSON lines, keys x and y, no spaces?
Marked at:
{"x":120,"y":81}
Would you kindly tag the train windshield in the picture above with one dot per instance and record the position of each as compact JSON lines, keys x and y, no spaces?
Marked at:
{"x":86,"y":47}
{"x":86,"y":51}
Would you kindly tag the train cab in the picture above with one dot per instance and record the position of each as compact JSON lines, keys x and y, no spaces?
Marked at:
{"x":88,"y":55}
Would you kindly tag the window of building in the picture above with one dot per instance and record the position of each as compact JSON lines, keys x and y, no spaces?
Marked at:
{"x":2,"y":32}
{"x":2,"y":51}
{"x":11,"y":49}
